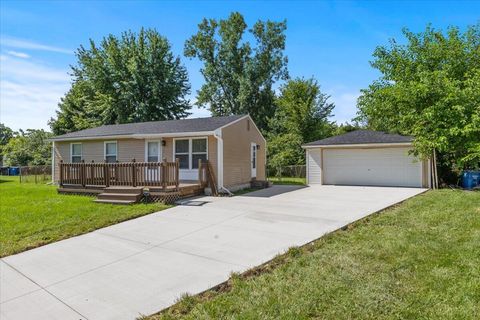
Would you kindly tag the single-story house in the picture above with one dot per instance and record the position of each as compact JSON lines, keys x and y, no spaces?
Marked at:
{"x":233,"y":146}
{"x":366,"y":158}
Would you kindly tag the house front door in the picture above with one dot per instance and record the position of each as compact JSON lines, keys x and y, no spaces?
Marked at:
{"x":253,"y":158}
{"x":153,"y":153}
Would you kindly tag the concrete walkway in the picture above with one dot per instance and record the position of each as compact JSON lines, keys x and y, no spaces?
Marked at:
{"x":143,"y":265}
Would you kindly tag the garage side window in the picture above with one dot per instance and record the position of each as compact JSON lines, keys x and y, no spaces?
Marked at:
{"x":111,"y":152}
{"x":199,"y":151}
{"x":76,"y":152}
{"x":182,"y":152}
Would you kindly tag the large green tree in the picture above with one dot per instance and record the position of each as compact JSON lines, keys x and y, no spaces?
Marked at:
{"x":238,"y":75}
{"x":131,"y":78}
{"x":302,"y":115}
{"x":429,"y":88}
{"x":29,"y":148}
{"x":5,"y":135}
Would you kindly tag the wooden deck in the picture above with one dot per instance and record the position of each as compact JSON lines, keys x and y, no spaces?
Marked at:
{"x":131,"y":182}
{"x":120,"y":193}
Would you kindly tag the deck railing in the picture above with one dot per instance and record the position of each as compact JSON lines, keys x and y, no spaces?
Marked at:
{"x":163,"y":174}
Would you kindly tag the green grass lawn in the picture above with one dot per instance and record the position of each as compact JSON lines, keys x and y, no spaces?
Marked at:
{"x":418,"y":260}
{"x":32,"y":215}
{"x":287,"y":180}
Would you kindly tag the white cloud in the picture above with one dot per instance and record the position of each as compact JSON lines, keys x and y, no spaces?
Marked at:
{"x":18,"y":54}
{"x":197,"y":112}
{"x":10,"y":42}
{"x":29,"y":92}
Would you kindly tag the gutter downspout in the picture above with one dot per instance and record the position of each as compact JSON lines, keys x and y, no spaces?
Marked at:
{"x":218,"y":135}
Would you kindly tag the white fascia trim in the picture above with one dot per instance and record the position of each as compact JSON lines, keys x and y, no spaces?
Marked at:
{"x":218,"y":135}
{"x":402,"y":144}
{"x":140,"y":136}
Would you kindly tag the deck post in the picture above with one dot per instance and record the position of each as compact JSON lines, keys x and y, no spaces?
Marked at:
{"x":92,"y":173}
{"x":106,"y":174}
{"x":164,"y":173}
{"x":61,"y":173}
{"x":177,"y":172}
{"x":199,"y":171}
{"x":82,"y":173}
{"x":134,"y":174}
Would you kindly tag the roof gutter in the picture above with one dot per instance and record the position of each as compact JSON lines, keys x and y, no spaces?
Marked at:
{"x":359,"y":145}
{"x":137,"y":136}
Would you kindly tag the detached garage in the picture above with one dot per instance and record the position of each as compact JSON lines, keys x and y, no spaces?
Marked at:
{"x":366,"y":158}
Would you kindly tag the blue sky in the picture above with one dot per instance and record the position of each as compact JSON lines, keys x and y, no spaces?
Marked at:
{"x":331,"y":41}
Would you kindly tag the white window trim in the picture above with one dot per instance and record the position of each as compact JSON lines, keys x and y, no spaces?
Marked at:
{"x":160,"y":151}
{"x":71,"y":151}
{"x":190,"y":151}
{"x":105,"y":150}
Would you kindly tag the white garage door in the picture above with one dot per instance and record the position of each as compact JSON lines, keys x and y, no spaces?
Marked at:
{"x":371,"y":167}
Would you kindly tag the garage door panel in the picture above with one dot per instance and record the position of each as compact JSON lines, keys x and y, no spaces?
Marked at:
{"x":375,"y":167}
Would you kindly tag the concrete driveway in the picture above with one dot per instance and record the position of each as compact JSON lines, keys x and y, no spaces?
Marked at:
{"x":143,"y":265}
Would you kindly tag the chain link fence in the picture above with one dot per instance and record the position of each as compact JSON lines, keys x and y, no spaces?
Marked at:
{"x":294,"y":174}
{"x":36,"y":174}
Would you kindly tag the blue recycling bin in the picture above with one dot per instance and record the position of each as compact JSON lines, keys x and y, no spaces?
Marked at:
{"x":470,"y":179}
{"x":13,"y":171}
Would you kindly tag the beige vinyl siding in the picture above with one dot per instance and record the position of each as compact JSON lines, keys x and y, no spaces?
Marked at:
{"x":127,"y":149}
{"x":61,"y":152}
{"x":237,"y":141}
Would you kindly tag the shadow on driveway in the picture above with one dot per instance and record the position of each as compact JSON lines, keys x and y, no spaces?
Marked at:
{"x":275,"y":190}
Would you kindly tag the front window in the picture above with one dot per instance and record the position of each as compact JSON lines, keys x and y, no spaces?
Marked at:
{"x":182,"y":152}
{"x":153,"y":151}
{"x":189,"y":151}
{"x":199,"y":151}
{"x":110,"y":152}
{"x":76,"y":149}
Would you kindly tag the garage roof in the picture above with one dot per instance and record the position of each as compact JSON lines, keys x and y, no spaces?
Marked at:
{"x":361,"y":137}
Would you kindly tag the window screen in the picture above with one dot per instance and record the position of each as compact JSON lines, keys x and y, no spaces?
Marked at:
{"x":153,"y":150}
{"x":182,"y":153}
{"x":76,"y":152}
{"x":111,"y":152}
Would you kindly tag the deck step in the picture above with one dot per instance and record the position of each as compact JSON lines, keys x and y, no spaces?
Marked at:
{"x":124,"y":190}
{"x":113,"y":201}
{"x":119,"y":196}
{"x":79,"y":190}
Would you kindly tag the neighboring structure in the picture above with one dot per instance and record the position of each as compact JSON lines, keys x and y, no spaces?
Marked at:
{"x":233,"y":145}
{"x":368,"y":158}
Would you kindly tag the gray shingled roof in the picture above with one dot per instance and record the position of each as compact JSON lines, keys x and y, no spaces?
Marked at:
{"x":154,"y":127}
{"x":361,"y":137}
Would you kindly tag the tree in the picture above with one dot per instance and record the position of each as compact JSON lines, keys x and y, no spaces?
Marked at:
{"x":131,"y":78}
{"x":239,"y":78}
{"x":5,"y":135}
{"x":429,"y":88}
{"x":301,"y":116}
{"x":29,"y":148}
